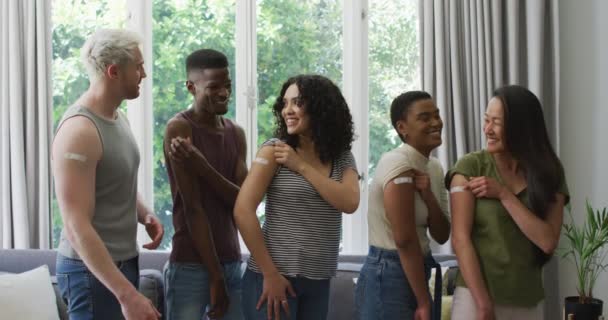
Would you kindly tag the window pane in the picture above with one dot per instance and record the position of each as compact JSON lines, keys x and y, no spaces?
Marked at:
{"x":393,"y":68}
{"x":181,"y":27}
{"x":73,"y":21}
{"x":294,"y":37}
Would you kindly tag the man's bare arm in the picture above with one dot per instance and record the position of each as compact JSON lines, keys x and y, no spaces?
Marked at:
{"x":196,"y":161}
{"x":196,"y":218}
{"x":76,"y":151}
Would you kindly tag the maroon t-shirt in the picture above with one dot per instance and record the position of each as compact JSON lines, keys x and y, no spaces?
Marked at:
{"x":221,"y":150}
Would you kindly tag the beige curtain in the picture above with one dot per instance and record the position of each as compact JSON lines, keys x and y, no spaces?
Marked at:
{"x":25,"y":123}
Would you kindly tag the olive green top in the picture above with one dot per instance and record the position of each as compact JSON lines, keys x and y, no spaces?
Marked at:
{"x":511,"y":265}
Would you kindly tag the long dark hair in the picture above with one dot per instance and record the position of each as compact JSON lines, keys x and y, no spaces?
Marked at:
{"x":527,"y":140}
{"x":330,"y":119}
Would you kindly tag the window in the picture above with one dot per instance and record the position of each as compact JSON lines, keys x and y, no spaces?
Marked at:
{"x":179,"y":28}
{"x":73,"y":21}
{"x":393,"y":69}
{"x":369,"y":48}
{"x":309,"y":41}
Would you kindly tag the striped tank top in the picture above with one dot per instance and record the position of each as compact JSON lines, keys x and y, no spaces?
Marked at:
{"x":302,"y":230}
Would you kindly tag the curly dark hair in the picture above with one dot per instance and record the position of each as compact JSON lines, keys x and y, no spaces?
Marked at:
{"x":330,"y":119}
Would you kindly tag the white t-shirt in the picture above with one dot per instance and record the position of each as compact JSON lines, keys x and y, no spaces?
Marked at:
{"x":391,"y":165}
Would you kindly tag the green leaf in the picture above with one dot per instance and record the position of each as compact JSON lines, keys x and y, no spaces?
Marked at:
{"x":586,"y":248}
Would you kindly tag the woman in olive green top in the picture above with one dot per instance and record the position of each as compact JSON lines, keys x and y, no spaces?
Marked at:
{"x":507,"y":205}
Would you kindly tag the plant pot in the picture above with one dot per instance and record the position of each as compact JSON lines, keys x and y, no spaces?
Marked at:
{"x":582,"y":311}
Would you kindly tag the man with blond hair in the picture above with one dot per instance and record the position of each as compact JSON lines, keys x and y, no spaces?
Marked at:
{"x":95,"y":161}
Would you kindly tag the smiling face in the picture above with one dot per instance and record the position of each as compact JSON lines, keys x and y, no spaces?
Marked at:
{"x":493,"y":127}
{"x":211,"y":89}
{"x":294,"y":114}
{"x":131,"y":74}
{"x":422,"y":126}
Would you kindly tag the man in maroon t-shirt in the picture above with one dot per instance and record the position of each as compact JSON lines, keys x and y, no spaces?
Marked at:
{"x":205,"y":155}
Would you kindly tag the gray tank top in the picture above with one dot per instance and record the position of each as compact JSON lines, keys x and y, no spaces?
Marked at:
{"x":115,"y":216}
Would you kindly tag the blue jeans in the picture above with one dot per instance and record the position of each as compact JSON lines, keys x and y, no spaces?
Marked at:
{"x":311,"y":301}
{"x":187,"y":291}
{"x":86,"y":297}
{"x":383,"y":291}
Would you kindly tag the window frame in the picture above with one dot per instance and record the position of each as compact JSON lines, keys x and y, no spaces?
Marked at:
{"x":355,"y":90}
{"x":140,"y":111}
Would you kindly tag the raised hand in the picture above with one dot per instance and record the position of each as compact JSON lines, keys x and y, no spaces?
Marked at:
{"x":486,"y":187}
{"x":285,"y":155}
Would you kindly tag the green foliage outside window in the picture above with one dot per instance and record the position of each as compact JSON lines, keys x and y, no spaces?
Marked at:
{"x":293,"y":37}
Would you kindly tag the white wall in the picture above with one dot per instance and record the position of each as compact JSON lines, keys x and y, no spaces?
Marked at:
{"x":584,"y":116}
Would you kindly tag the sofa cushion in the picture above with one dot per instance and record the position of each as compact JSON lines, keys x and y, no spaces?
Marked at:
{"x":342,"y":290}
{"x":18,"y":291}
{"x":62,"y":308}
{"x":151,"y":286}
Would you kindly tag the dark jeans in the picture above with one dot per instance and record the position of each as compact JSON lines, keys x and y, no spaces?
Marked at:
{"x":311,"y":301}
{"x":86,"y":297}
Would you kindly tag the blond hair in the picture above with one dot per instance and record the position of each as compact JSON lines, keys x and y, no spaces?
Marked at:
{"x":106,"y":47}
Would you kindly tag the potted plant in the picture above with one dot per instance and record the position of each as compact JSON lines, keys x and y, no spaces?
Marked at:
{"x":585,"y":248}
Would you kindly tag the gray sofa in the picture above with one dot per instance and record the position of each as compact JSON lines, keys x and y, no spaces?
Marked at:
{"x":151,"y":263}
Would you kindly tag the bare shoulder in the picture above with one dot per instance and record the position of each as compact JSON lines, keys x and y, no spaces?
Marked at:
{"x":266,"y":152}
{"x":264,"y":160}
{"x":178,"y":126}
{"x":176,"y":122}
{"x":458,"y":180}
{"x":78,"y":135}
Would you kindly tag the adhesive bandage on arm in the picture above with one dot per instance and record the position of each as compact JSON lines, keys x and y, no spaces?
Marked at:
{"x":260,"y":160}
{"x":402,"y":180}
{"x":455,"y":189}
{"x":75,"y":156}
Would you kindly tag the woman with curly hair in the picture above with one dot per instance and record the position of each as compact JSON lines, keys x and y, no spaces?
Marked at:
{"x":406,"y":199}
{"x":309,"y":177}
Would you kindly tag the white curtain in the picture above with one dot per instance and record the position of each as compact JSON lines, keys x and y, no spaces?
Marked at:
{"x":25,"y":123}
{"x":471,"y":47}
